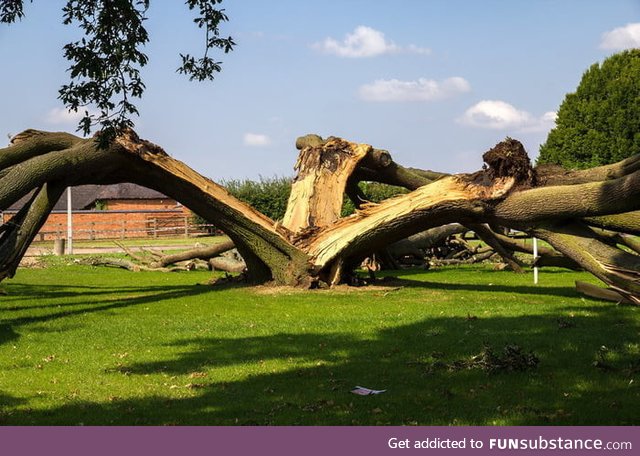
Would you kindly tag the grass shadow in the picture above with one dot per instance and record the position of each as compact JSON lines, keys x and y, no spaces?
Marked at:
{"x":393,"y":280}
{"x":119,"y":298}
{"x":313,"y":388}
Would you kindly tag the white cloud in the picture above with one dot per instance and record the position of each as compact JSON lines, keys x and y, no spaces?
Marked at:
{"x":626,"y":37}
{"x":256,"y":140}
{"x":61,"y":116}
{"x":420,"y":90}
{"x":365,"y":42}
{"x":500,"y":115}
{"x":413,"y":49}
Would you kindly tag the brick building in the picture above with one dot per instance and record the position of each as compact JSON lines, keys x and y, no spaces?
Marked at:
{"x":115,"y":211}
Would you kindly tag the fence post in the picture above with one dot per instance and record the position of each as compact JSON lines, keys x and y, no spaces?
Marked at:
{"x":58,"y":247}
{"x":186,"y":226}
{"x":155,"y":228}
{"x":92,"y":232}
{"x":124,"y":229}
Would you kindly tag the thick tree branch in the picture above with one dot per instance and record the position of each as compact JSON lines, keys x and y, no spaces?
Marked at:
{"x":569,"y":201}
{"x":202,"y":253}
{"x":618,"y":269}
{"x":550,"y":175}
{"x":325,"y":246}
{"x":628,"y":222}
{"x":25,"y":225}
{"x":489,"y":237}
{"x":31,"y":143}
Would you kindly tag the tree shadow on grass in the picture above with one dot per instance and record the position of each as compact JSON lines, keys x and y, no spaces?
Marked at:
{"x":120,"y":298}
{"x":7,"y":334}
{"x":36,"y":293}
{"x":486,"y":288}
{"x":305,"y":378}
{"x":7,"y":401}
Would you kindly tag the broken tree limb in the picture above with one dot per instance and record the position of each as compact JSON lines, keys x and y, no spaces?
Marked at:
{"x":318,"y":189}
{"x":547,"y":257}
{"x":416,"y":244}
{"x":549,"y":175}
{"x":227,"y":264}
{"x":266,"y":250}
{"x":202,"y":253}
{"x":116,"y":263}
{"x":628,"y":222}
{"x":594,"y":291}
{"x":566,"y":202}
{"x":31,"y":143}
{"x":618,"y":269}
{"x":476,"y":258}
{"x":507,"y":194}
{"x":450,"y":199}
{"x":137,"y":257}
{"x":25,"y":225}
{"x":489,"y":237}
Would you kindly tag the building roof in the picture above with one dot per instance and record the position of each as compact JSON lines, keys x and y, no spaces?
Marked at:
{"x":85,"y":196}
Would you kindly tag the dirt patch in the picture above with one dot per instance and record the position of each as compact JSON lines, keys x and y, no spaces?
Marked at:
{"x":336,"y":289}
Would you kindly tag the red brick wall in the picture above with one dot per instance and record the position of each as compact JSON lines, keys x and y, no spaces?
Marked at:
{"x":141,"y":205}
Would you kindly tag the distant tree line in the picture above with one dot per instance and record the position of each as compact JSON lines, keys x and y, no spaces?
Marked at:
{"x":270,"y":195}
{"x":599,"y":123}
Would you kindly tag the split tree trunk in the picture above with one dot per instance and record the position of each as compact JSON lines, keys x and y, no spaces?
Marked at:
{"x":313,"y":243}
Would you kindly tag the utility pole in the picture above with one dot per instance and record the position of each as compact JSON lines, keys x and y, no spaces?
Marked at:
{"x":535,"y":257}
{"x":69,"y":223}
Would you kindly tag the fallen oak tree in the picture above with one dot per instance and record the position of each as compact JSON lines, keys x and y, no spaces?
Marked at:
{"x":313,"y":243}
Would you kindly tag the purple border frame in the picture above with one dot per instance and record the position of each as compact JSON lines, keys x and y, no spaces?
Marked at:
{"x":315,"y":441}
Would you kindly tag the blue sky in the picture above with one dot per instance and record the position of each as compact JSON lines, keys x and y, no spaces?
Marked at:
{"x":435,"y":82}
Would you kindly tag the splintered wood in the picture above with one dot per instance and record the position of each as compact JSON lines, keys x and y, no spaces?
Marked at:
{"x":318,"y":189}
{"x":412,"y":208}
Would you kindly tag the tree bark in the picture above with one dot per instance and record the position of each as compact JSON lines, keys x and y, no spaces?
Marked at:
{"x":24,"y":227}
{"x":313,"y":243}
{"x":202,"y":253}
{"x":618,"y":269}
{"x":417,"y":243}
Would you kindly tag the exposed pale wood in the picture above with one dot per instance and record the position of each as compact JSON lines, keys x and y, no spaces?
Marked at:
{"x":227,"y":264}
{"x":402,"y":215}
{"x":318,"y":189}
{"x":594,"y":291}
{"x":505,"y":194}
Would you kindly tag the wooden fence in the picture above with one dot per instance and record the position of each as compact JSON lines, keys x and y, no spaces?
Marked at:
{"x":150,"y":227}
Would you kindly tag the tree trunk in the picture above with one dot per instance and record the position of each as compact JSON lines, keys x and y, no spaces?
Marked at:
{"x":313,"y":243}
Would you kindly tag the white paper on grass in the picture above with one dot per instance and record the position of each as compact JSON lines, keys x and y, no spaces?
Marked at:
{"x":362,"y":391}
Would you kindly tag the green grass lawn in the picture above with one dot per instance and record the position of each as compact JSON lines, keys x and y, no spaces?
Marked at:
{"x":82,"y":345}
